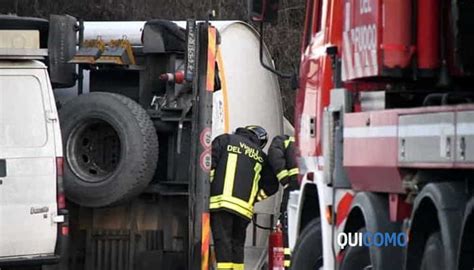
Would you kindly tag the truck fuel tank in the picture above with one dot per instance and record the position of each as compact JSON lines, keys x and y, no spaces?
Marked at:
{"x":377,"y":38}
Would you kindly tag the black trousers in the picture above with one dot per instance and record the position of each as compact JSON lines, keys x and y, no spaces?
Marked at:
{"x":228,"y":232}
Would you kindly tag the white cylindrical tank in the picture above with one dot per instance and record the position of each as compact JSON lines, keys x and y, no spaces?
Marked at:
{"x":250,"y":92}
{"x":108,"y":30}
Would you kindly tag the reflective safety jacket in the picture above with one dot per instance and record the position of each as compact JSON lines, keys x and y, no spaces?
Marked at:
{"x":239,"y":171}
{"x":281,"y":156}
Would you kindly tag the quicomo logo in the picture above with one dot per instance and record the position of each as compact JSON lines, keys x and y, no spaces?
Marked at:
{"x":368,"y":239}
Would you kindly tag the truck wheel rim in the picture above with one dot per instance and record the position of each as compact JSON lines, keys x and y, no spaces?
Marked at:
{"x":93,"y":150}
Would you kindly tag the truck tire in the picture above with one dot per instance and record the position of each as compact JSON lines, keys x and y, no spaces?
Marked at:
{"x":110,"y":148}
{"x":466,"y":260}
{"x":356,"y":257}
{"x":433,"y":258}
{"x":308,"y":251}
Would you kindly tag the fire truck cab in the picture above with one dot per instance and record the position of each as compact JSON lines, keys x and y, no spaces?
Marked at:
{"x":384,"y":128}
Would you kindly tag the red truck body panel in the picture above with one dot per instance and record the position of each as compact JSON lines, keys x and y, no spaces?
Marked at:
{"x":371,"y":151}
{"x":372,"y":140}
{"x":316,"y":79}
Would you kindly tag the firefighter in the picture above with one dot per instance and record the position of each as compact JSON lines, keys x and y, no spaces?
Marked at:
{"x":239,"y":172}
{"x":282,"y":158}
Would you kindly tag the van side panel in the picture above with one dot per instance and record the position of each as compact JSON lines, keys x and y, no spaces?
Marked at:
{"x":27,"y":144}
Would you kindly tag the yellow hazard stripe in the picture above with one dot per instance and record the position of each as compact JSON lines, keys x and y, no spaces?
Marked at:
{"x":211,"y":58}
{"x":238,"y":266}
{"x":282,"y":174}
{"x":225,"y":265}
{"x":287,"y":263}
{"x":205,"y":241}
{"x":293,"y":171}
{"x":287,"y":251}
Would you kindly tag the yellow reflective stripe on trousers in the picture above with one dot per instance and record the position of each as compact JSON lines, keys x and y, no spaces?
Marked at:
{"x":287,"y":261}
{"x":256,"y":179}
{"x":238,"y":266}
{"x":293,"y":171}
{"x":230,"y":174}
{"x":288,"y":141}
{"x":225,"y":265}
{"x":282,"y":174}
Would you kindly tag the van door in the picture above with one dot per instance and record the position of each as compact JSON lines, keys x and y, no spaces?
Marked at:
{"x":27,"y":163}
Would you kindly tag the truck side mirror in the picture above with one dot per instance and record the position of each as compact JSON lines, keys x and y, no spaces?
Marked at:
{"x":263,"y":10}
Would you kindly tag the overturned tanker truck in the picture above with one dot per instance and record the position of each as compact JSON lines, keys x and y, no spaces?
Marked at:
{"x":149,"y":98}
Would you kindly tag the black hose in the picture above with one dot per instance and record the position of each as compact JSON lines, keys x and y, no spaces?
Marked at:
{"x":268,"y":67}
{"x":254,"y":220}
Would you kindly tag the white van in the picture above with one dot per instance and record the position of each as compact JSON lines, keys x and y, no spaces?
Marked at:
{"x":32,"y":204}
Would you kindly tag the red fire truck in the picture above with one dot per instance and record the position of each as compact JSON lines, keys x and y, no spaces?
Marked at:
{"x":385,"y":131}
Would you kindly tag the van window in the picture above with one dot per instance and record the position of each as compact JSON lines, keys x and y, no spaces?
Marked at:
{"x":22,"y":113}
